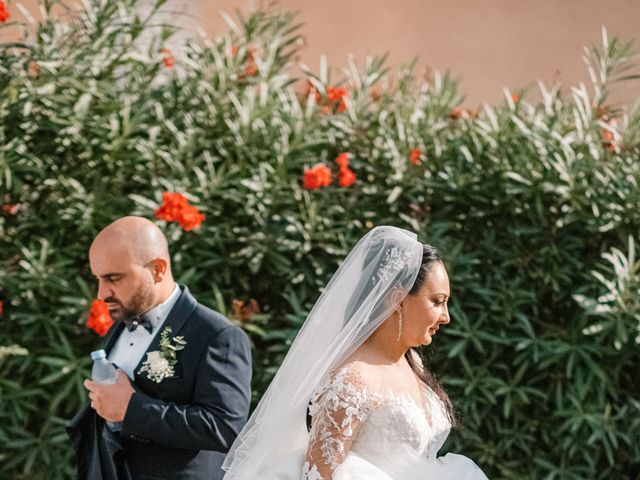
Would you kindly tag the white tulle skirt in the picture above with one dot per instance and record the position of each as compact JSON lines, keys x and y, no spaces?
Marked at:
{"x":449,"y":467}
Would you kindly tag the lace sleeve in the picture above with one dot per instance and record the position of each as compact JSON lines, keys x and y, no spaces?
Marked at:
{"x":337,"y":409}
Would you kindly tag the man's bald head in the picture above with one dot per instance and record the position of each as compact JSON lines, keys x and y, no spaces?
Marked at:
{"x":130,"y":259}
{"x":138,"y":236}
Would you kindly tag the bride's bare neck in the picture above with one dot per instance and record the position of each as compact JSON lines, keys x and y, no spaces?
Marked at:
{"x":383,"y":347}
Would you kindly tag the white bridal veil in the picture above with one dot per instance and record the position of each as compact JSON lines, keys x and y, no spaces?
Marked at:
{"x":368,"y":286}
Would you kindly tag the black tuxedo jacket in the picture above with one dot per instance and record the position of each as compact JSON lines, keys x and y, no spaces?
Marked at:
{"x":182,"y":427}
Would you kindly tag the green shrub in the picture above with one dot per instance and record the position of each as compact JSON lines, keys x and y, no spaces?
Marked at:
{"x":535,"y":206}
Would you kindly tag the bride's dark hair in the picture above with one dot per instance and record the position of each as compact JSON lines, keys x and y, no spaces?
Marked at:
{"x":430,"y":256}
{"x":379,"y":250}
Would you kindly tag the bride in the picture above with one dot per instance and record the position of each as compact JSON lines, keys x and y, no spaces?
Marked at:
{"x":352,"y":400}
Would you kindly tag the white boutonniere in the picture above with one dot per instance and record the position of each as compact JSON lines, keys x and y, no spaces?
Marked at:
{"x":159,"y":364}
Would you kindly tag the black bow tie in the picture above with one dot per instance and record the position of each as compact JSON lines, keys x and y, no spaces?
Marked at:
{"x":139,"y":321}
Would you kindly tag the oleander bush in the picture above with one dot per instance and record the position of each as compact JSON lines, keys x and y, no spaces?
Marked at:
{"x":533,"y":202}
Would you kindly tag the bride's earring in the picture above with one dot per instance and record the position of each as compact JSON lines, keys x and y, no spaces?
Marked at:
{"x":399,"y":324}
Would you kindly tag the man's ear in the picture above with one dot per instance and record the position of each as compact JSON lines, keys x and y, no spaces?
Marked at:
{"x":159,"y":268}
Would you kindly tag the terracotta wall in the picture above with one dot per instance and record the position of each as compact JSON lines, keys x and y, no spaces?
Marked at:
{"x":488,"y":44}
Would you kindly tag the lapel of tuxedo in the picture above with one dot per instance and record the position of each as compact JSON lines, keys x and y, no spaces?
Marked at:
{"x":112,"y":336}
{"x":176,"y":319}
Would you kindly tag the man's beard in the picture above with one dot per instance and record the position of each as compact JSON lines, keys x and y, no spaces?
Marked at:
{"x":141,"y":301}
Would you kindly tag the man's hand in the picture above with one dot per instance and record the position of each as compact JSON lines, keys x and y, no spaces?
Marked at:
{"x":110,"y":401}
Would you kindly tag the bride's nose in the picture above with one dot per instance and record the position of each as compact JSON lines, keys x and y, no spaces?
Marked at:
{"x":445,"y":316}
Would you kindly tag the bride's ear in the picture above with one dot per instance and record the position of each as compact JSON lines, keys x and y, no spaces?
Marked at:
{"x":397,"y":297}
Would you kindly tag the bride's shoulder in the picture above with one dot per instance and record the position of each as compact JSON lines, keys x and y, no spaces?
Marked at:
{"x":352,"y":381}
{"x":357,"y":373}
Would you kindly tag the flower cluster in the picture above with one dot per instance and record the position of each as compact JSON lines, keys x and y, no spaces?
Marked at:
{"x":4,"y":13}
{"x":156,"y":367}
{"x":610,"y":136}
{"x":609,"y":140}
{"x":243,"y":311}
{"x":232,"y":51}
{"x":251,"y":65}
{"x":99,"y":319}
{"x":317,"y":176}
{"x":159,"y":364}
{"x":176,"y":208}
{"x":168,"y":58}
{"x":347,"y":176}
{"x":459,"y":112}
{"x":320,"y":175}
{"x":415,"y":155}
{"x":375,"y":93}
{"x":336,"y":97}
{"x":334,"y":101}
{"x":33,"y":69}
{"x":10,"y":208}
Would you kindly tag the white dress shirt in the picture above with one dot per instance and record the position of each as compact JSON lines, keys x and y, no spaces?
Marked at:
{"x":131,"y":346}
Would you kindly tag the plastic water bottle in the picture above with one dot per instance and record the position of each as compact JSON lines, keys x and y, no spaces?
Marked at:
{"x":104,"y":372}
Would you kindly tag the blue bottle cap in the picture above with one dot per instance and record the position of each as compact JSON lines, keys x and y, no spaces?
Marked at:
{"x":98,"y":354}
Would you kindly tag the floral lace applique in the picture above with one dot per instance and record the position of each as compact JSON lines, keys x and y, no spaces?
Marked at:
{"x":394,"y":261}
{"x":348,"y":412}
{"x":337,"y":408}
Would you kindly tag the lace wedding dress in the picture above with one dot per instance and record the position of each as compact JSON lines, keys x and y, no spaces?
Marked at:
{"x":366,"y":423}
{"x":361,"y":431}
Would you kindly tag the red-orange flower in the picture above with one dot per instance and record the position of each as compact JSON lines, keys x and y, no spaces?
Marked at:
{"x":243,"y":311}
{"x":172,"y":206}
{"x":601,"y":111}
{"x":1,"y":305}
{"x":459,"y":112}
{"x":414,"y":156}
{"x":317,"y":177}
{"x":4,"y":13}
{"x":347,"y":177}
{"x":515,"y":97}
{"x":10,"y":208}
{"x":176,"y":208}
{"x":252,"y":66}
{"x":608,"y":140}
{"x":343,"y":160}
{"x":99,"y":319}
{"x":252,"y":69}
{"x":33,"y":70}
{"x":190,"y":218}
{"x":337,"y":95}
{"x":169,"y":60}
{"x":310,"y":179}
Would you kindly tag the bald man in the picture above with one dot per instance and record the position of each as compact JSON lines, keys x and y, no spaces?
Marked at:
{"x":177,"y":425}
